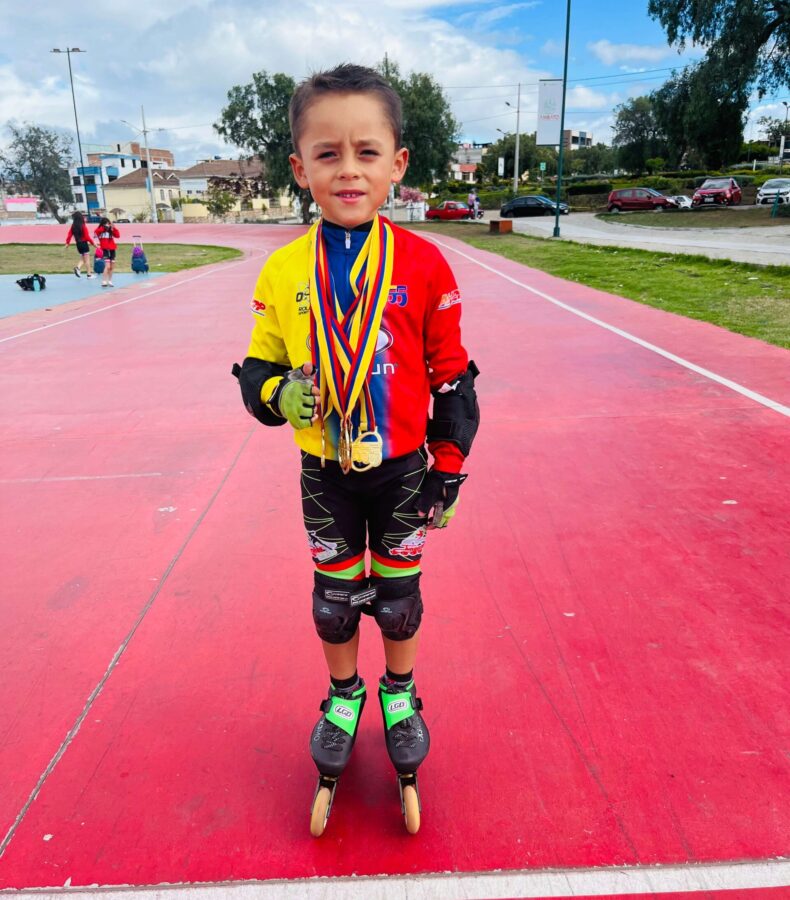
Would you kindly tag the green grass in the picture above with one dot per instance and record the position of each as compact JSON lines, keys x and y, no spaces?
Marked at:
{"x":732,"y":217}
{"x":748,"y":299}
{"x":54,"y":259}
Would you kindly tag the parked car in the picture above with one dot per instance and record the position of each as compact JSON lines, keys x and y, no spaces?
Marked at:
{"x":717,"y":192}
{"x":680,"y":201}
{"x":773,"y":187}
{"x":636,"y":198}
{"x":534,"y":205}
{"x":449,"y":210}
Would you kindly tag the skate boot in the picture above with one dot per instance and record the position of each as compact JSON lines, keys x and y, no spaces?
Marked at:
{"x":331,"y":744}
{"x":408,"y":743}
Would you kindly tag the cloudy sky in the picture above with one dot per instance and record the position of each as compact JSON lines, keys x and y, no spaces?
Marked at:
{"x":179,"y":58}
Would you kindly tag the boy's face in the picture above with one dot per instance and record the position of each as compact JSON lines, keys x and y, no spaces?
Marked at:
{"x":347,"y":157}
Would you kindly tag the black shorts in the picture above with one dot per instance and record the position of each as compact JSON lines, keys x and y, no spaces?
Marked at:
{"x":377,"y":509}
{"x":108,"y":255}
{"x":83,"y":247}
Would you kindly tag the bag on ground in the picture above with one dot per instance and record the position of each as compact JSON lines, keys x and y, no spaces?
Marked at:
{"x":32,"y":283}
{"x":98,"y":261}
{"x":139,"y":260}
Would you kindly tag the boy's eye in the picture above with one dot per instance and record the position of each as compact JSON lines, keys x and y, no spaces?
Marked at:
{"x":326,"y":154}
{"x":370,"y":152}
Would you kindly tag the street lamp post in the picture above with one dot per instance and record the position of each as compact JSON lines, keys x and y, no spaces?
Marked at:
{"x":562,"y":122}
{"x":149,"y":177}
{"x":68,"y":51}
{"x":518,"y":134}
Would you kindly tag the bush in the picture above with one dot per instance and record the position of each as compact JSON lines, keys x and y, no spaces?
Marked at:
{"x":783,"y":211}
{"x":589,"y":187}
{"x":658,"y":183}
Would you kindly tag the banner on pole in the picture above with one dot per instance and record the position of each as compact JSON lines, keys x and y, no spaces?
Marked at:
{"x":549,"y":112}
{"x":501,"y":167}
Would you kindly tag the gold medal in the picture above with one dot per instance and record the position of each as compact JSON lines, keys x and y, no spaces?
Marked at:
{"x":344,"y":447}
{"x":366,"y":451}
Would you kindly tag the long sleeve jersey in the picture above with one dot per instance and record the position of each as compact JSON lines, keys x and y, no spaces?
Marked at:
{"x":107,"y":237}
{"x":419,"y":341}
{"x":85,"y":236}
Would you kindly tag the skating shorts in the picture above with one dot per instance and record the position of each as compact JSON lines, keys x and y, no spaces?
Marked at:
{"x":377,"y":510}
{"x":108,"y":255}
{"x":83,"y":247}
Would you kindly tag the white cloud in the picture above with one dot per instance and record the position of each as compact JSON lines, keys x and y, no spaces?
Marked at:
{"x":553,"y":48}
{"x":503,"y":12}
{"x":610,"y":54}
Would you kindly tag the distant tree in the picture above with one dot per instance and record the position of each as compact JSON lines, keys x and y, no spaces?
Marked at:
{"x":430,"y":133}
{"x":598,"y":159}
{"x":774,"y":129}
{"x":655,"y":165}
{"x":37,"y":161}
{"x":752,"y":36}
{"x":219,"y":202}
{"x":636,"y":134}
{"x":256,"y":119}
{"x":529,"y":157}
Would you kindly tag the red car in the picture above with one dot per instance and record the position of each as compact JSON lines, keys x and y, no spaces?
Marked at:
{"x":450,"y":209}
{"x":637,"y":198}
{"x":717,"y":192}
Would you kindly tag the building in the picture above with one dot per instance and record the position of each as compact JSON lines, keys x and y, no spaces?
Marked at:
{"x":574,"y":140}
{"x":128,"y":197}
{"x":195,"y":181}
{"x":18,"y":207}
{"x":88,"y":182}
{"x":160,"y":159}
{"x":463,"y":172}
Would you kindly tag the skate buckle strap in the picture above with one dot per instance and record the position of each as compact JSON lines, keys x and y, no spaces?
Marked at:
{"x":344,"y":711}
{"x":397,"y":707}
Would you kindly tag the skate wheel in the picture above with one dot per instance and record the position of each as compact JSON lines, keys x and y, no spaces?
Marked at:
{"x":320,"y":811}
{"x":411,"y":808}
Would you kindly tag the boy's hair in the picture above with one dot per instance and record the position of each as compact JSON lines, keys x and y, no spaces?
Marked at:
{"x":344,"y":79}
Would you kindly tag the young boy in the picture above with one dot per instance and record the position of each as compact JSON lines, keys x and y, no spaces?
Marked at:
{"x":357,"y":323}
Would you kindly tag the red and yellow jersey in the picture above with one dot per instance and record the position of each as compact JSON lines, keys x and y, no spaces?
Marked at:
{"x":418,"y":347}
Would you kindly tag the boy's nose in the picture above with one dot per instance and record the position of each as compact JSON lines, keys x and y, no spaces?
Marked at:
{"x":349,"y":167}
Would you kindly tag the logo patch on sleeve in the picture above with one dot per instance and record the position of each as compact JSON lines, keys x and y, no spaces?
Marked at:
{"x":449,"y":299}
{"x":258,"y":307}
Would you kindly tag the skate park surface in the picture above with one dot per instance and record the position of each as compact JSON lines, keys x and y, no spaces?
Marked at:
{"x":604,"y":650}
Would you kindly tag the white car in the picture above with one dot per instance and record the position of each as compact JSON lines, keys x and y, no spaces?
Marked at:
{"x":680,"y":201}
{"x":767,"y":193}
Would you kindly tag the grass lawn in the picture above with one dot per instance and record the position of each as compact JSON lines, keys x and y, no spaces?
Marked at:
{"x":748,"y":299}
{"x":54,"y":259}
{"x":729,"y":217}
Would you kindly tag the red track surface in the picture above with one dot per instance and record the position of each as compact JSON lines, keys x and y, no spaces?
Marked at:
{"x":604,"y":657}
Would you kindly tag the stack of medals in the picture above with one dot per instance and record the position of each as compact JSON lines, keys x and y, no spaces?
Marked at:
{"x":344,"y":344}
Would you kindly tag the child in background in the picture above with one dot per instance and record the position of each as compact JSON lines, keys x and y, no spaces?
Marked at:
{"x":82,"y":239}
{"x":107,"y":234}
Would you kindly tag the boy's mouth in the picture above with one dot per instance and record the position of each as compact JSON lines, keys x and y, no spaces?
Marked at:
{"x":349,"y":195}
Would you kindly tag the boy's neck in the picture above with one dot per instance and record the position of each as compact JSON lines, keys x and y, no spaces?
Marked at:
{"x":365,"y":226}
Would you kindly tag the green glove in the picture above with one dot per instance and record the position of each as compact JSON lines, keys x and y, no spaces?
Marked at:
{"x":294,"y":398}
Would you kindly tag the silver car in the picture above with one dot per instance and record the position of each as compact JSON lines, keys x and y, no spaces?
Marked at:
{"x":768,"y":192}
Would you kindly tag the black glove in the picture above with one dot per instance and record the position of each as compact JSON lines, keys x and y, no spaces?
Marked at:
{"x":439,"y":493}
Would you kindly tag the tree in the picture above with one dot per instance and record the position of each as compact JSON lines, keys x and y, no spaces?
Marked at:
{"x":220,"y":202}
{"x":753,"y":35}
{"x":594,"y":160}
{"x":37,"y":161}
{"x":774,"y":129}
{"x":636,"y":134}
{"x":256,"y":119}
{"x":429,"y":130}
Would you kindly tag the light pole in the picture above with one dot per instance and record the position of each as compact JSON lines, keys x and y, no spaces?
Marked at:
{"x":68,"y":51}
{"x":562,"y":122}
{"x":149,"y":177}
{"x":783,"y":142}
{"x":518,"y":133}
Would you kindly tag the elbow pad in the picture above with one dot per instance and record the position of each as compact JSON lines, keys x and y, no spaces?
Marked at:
{"x":456,"y":415}
{"x":253,"y":374}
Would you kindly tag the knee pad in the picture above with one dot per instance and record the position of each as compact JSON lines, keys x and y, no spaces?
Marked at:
{"x":397,"y":607}
{"x":337,"y":606}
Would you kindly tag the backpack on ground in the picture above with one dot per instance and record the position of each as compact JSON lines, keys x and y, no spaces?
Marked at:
{"x":98,"y":261}
{"x":139,"y":260}
{"x":32,"y":283}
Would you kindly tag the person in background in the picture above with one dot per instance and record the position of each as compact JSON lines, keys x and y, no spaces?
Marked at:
{"x":82,"y":239}
{"x":107,"y":234}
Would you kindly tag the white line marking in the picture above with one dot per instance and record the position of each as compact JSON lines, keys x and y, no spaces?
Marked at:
{"x":46,"y":480}
{"x":145,"y":296}
{"x":608,"y":882}
{"x":732,"y":385}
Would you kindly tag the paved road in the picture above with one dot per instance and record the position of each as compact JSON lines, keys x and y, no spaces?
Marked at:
{"x":769,"y":246}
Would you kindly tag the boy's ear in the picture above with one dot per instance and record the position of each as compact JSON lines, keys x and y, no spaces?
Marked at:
{"x":297,"y":167}
{"x":399,"y":165}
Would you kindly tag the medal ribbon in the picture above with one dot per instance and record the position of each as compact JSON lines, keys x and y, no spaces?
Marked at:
{"x":344,"y":344}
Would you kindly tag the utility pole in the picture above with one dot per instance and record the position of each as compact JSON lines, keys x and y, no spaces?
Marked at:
{"x":516,"y":165}
{"x":783,"y":142}
{"x":81,"y":175}
{"x":150,"y":170}
{"x":556,"y":232}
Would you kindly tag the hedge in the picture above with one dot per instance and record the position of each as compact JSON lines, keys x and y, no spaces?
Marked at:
{"x":590,"y":187}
